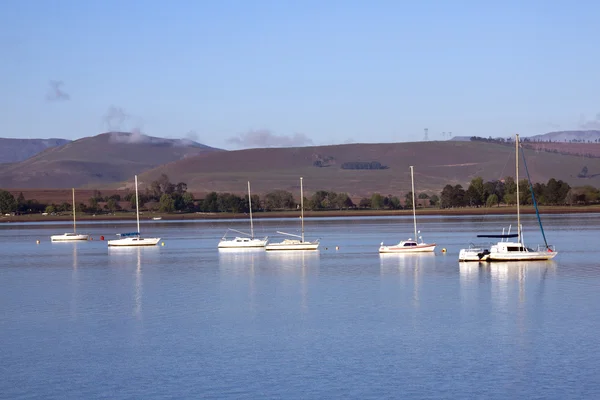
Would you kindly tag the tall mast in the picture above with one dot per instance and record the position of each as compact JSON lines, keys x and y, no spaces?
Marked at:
{"x":302,"y":208}
{"x":74,"y":225}
{"x":517,"y":179}
{"x":137,"y":207}
{"x":250,"y":206}
{"x":412,"y":180}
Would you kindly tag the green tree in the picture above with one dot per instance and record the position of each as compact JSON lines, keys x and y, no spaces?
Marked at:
{"x":93,"y":204}
{"x":376,"y":201}
{"x":50,"y":209}
{"x":188,"y":201}
{"x":8,"y":203}
{"x":510,"y":186}
{"x":408,"y":200}
{"x":166,"y":203}
{"x":364,"y":203}
{"x":492,"y":200}
{"x":112,"y":205}
{"x":434,"y":200}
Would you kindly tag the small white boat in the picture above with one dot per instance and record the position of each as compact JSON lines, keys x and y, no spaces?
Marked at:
{"x":243,"y":242}
{"x":295,"y":244}
{"x":410,"y":245}
{"x":70,"y":236}
{"x":475,"y":253}
{"x":156,"y":218}
{"x":505,"y":250}
{"x":134,"y":238}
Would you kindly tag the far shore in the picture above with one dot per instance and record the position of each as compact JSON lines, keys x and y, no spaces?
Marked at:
{"x":128,"y":215}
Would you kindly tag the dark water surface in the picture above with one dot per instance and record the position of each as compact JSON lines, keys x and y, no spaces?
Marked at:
{"x":184,"y":320}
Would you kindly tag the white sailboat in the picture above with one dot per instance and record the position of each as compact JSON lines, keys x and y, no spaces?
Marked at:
{"x":134,"y":238}
{"x":505,"y":250}
{"x":295,"y":244}
{"x":410,"y":245}
{"x":517,"y":251}
{"x":70,"y":236}
{"x":249,"y":241}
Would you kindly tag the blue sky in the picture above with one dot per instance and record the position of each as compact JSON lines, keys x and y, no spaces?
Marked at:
{"x":236,"y":74}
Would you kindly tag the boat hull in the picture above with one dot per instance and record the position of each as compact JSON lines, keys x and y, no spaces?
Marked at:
{"x":242,"y":243}
{"x":292,"y":245}
{"x":473,"y":255}
{"x":134,"y":242}
{"x":523,"y":256}
{"x":420,"y":248}
{"x":69,"y":237}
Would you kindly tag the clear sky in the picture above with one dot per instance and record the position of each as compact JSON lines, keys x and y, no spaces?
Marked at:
{"x":246,"y":73}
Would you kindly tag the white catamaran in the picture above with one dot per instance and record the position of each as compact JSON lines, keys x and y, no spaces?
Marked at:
{"x":506,"y":250}
{"x":410,"y":245}
{"x":295,"y":244}
{"x":70,"y":236}
{"x":134,"y":238}
{"x":243,"y":242}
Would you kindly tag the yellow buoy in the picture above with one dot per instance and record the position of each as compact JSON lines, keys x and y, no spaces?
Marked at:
{"x":443,"y":250}
{"x":162,"y":243}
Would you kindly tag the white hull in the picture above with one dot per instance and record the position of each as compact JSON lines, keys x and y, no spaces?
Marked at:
{"x":69,"y":237}
{"x":523,"y":256}
{"x":473,"y":255}
{"x":242,"y":243}
{"x":510,"y":251}
{"x":292,"y":245}
{"x":134,"y":241}
{"x":400,"y":248}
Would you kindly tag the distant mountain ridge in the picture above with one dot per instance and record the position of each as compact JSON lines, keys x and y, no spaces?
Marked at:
{"x":106,"y":158}
{"x":589,"y":136}
{"x":15,"y":150}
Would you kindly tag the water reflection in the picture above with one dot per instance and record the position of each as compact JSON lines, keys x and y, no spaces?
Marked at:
{"x":404,"y":265}
{"x":74,"y":282}
{"x":129,"y":254}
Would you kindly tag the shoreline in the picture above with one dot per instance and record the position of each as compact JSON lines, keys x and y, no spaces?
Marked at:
{"x":308,"y":214}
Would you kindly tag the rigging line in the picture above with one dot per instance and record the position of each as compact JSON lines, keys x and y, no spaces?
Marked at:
{"x":537,"y":212}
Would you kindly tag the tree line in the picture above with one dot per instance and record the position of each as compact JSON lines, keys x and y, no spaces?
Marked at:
{"x":163,"y":196}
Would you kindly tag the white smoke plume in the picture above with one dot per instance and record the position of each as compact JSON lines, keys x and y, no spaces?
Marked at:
{"x":265,"y":138}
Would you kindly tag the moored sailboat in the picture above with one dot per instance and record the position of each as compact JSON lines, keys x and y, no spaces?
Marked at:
{"x":506,"y":250}
{"x":246,"y":241}
{"x":70,"y":236}
{"x":134,"y":238}
{"x":410,"y":245}
{"x":295,"y":244}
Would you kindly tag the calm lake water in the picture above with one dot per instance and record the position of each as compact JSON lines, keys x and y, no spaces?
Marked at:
{"x":184,"y":320}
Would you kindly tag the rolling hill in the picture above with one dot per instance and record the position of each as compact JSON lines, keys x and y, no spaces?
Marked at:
{"x":15,"y":150}
{"x":96,"y":161}
{"x":436,"y":164}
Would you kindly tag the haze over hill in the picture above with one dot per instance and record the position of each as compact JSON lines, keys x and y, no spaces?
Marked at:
{"x":15,"y":150}
{"x":105,"y":158}
{"x":436,"y":164}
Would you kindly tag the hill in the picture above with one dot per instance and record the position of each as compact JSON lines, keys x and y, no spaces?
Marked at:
{"x":98,"y":160}
{"x":15,"y":150}
{"x":436,"y":164}
{"x":591,"y":136}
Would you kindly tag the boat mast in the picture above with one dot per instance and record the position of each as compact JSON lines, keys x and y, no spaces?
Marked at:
{"x":250,"y":206}
{"x":517,"y":179}
{"x":412,"y":180}
{"x":74,"y":225}
{"x":302,"y":208}
{"x":137,"y":207}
